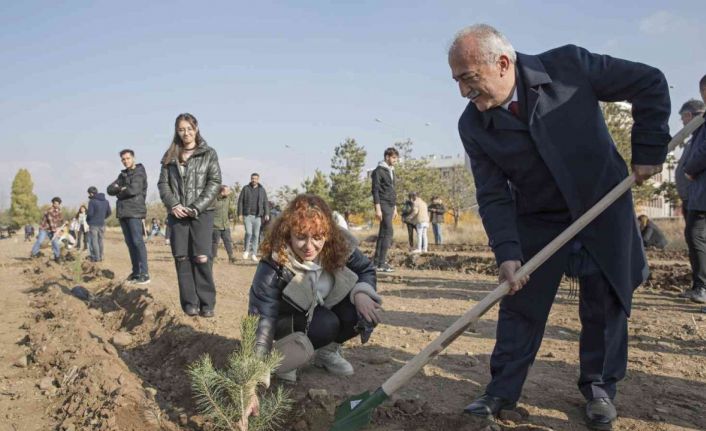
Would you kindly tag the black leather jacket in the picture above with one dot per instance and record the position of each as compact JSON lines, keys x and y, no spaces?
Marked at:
{"x":199,"y":185}
{"x":266,"y":293}
{"x":131,"y":189}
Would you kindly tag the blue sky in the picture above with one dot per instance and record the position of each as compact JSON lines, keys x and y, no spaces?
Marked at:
{"x":82,"y":80}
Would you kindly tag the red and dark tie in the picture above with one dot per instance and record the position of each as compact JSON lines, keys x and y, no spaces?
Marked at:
{"x":514,"y":107}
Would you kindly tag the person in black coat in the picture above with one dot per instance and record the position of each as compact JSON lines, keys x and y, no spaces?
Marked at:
{"x":541,"y":156}
{"x":130,"y":188}
{"x":189,"y":180}
{"x":652,"y":235}
{"x":385,"y":202}
{"x":313,"y":279}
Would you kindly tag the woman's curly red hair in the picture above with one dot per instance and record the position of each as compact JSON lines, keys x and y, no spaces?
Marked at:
{"x":308,"y":214}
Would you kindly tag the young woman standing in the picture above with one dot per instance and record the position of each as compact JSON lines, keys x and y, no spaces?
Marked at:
{"x":189,"y":181}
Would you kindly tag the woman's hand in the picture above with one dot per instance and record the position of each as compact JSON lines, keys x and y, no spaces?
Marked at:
{"x":367,"y":307}
{"x":179,"y":211}
{"x":253,"y":409}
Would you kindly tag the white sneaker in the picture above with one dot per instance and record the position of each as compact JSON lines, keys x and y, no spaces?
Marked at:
{"x":254,"y":258}
{"x":289,"y":376}
{"x":246,"y":255}
{"x":329,"y":357}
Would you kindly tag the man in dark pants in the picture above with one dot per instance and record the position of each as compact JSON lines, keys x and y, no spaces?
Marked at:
{"x":253,"y":208}
{"x":695,"y":172}
{"x":221,"y":223}
{"x":131,"y":190}
{"x":688,"y":111}
{"x":541,"y":156}
{"x":98,"y":212}
{"x":384,"y":198}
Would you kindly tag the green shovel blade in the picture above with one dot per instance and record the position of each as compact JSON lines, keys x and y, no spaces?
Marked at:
{"x":356,"y":412}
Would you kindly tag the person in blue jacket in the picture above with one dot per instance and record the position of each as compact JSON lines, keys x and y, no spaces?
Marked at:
{"x":541,"y":156}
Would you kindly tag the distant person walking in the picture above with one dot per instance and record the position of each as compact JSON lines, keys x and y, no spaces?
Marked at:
{"x":420,"y":218}
{"x":221,"y":223}
{"x":50,"y":228}
{"x":436,"y":214}
{"x":98,"y":211}
{"x":130,"y":188}
{"x":384,"y":199}
{"x":253,"y":208}
{"x":189,"y":181}
{"x":155,"y":229}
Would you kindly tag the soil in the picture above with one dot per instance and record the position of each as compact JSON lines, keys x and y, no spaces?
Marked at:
{"x":116,"y":359}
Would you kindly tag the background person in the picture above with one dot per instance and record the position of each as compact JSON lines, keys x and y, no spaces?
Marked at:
{"x":652,"y":235}
{"x":407,"y":208}
{"x":52,"y":223}
{"x":384,"y":198}
{"x":221,"y":223}
{"x":98,"y":212}
{"x":253,"y":208}
{"x":82,"y":233}
{"x":420,"y":218}
{"x":189,"y":160}
{"x":436,"y":214}
{"x":130,"y":188}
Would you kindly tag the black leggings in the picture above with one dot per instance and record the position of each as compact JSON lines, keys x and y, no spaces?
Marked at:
{"x":327,"y":326}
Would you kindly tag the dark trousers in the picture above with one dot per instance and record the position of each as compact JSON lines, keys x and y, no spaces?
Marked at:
{"x":411,"y":233}
{"x":132,"y":231}
{"x":522,"y":320}
{"x":188,"y":239}
{"x":384,"y":234}
{"x":695,"y":234}
{"x":227,"y":241}
{"x":327,"y":326}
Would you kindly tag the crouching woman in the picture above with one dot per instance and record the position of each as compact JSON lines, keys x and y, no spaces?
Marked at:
{"x":313,"y":289}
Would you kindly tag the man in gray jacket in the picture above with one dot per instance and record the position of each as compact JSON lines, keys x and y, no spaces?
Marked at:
{"x":252,"y":209}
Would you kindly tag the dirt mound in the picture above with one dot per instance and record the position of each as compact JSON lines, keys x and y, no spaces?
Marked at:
{"x":430,"y":261}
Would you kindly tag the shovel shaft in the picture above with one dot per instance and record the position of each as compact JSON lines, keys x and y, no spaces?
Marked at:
{"x":404,"y":374}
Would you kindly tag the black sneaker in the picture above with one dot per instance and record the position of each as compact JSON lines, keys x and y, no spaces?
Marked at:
{"x":131,"y":278}
{"x":385,"y":268}
{"x":142,"y":279}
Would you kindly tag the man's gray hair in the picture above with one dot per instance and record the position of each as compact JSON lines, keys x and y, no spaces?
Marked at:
{"x":693,"y":107}
{"x":492,"y":43}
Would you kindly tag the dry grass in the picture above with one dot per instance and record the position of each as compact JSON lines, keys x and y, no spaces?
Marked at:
{"x":673,"y":229}
{"x":469,"y":231}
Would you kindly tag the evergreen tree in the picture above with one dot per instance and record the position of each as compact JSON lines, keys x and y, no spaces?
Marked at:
{"x":223,"y":396}
{"x":318,"y":185}
{"x":349,"y":194}
{"x":415,"y":175}
{"x":23,"y":208}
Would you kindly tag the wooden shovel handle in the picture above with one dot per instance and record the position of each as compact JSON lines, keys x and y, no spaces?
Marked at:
{"x":404,"y":374}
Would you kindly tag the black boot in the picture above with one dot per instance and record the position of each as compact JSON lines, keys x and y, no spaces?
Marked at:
{"x":488,"y":405}
{"x":600,"y":414}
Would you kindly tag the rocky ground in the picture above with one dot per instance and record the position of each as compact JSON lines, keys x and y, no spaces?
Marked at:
{"x":116,"y":359}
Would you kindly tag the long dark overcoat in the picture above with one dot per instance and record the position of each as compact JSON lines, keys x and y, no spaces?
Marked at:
{"x":561,"y":91}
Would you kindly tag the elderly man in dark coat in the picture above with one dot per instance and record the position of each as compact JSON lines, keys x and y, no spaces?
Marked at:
{"x":541,"y":156}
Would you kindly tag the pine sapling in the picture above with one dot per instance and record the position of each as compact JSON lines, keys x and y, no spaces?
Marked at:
{"x":223,"y":395}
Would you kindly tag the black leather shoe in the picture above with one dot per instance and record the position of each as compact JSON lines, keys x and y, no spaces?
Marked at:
{"x":191,"y":310}
{"x":600,"y":414}
{"x":488,"y":405}
{"x":207,"y":313}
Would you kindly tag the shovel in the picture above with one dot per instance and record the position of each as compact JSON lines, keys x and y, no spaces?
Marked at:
{"x":356,"y":412}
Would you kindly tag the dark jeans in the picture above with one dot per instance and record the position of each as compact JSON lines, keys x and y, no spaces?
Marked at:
{"x":438,"y":239}
{"x":188,"y":239}
{"x":132,"y":231}
{"x":327,"y":326}
{"x":384,"y":240}
{"x":411,"y":233}
{"x":227,"y":241}
{"x":695,"y":234}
